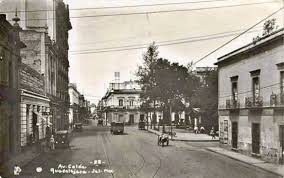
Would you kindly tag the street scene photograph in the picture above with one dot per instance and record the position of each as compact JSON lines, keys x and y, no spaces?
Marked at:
{"x":141,"y":89}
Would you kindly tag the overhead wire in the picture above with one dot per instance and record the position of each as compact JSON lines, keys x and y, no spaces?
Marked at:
{"x":128,"y":6}
{"x":168,"y":42}
{"x":156,"y":12}
{"x":218,"y":48}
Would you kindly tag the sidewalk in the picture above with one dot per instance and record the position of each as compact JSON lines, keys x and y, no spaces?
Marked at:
{"x":23,"y":158}
{"x":181,"y":135}
{"x":269,"y":167}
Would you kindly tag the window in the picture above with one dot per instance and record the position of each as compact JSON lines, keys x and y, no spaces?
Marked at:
{"x":131,"y":103}
{"x":282,"y":81}
{"x":120,"y":102}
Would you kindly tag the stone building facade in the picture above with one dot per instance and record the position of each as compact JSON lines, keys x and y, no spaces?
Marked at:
{"x":47,"y":49}
{"x":251,"y":100}
{"x":34,"y":104}
{"x":10,"y":60}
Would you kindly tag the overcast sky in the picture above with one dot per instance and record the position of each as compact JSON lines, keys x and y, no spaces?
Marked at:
{"x":190,"y":34}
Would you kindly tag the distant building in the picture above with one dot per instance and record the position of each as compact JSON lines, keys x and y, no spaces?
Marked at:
{"x":251,"y":98}
{"x":74,"y":104}
{"x":202,"y":73}
{"x":122,"y":102}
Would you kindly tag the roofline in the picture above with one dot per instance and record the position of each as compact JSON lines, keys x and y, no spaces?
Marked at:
{"x":251,"y":45}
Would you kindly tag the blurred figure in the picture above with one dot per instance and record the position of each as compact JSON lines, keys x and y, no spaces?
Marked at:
{"x":202,"y":129}
{"x":52,"y":141}
{"x":212,"y":133}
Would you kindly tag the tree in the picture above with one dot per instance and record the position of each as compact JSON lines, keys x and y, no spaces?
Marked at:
{"x":206,"y":98}
{"x":164,"y":81}
{"x":146,"y":76}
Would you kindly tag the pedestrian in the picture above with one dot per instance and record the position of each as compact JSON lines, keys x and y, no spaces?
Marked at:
{"x":195,"y":129}
{"x":202,"y":130}
{"x":17,"y":170}
{"x":52,"y":147}
{"x":212,"y":133}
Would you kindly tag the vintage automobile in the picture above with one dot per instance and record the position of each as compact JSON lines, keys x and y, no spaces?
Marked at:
{"x":78,"y":127}
{"x":163,"y":138}
{"x":100,"y":122}
{"x":117,"y":127}
{"x":141,"y":125}
{"x":62,"y":139}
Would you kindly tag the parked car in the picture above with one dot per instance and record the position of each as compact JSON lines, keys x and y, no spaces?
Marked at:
{"x":117,"y":127}
{"x":141,"y":125}
{"x":62,"y":139}
{"x":100,"y":122}
{"x":78,"y":127}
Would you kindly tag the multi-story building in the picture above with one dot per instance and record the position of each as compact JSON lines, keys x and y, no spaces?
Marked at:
{"x":10,"y":60}
{"x":122,"y":103}
{"x":74,"y":104}
{"x":251,"y":99}
{"x":45,"y":32}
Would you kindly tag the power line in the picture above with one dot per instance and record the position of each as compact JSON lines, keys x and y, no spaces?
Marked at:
{"x":129,"y":6}
{"x":157,"y":12}
{"x":172,"y":42}
{"x":237,"y":36}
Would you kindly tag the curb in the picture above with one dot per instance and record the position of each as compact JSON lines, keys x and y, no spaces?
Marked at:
{"x":258,"y":167}
{"x":181,"y":140}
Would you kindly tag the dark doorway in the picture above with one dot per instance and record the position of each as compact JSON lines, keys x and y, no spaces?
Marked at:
{"x":142,"y":117}
{"x":255,"y":137}
{"x":131,"y":119}
{"x":235,"y":135}
{"x":35,"y":128}
{"x":281,"y":136}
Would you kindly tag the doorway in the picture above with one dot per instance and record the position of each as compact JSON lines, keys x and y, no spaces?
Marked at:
{"x":281,"y":136}
{"x":131,"y":119}
{"x":255,"y":138}
{"x":235,"y":135}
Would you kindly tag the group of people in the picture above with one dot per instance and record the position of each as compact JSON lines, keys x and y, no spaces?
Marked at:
{"x":202,"y":130}
{"x":197,"y":130}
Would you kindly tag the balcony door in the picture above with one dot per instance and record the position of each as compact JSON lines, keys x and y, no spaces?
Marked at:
{"x":255,"y":88}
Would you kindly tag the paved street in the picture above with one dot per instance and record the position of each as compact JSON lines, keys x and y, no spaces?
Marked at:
{"x":136,"y":154}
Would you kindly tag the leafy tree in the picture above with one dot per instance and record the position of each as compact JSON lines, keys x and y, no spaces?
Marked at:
{"x":206,"y":98}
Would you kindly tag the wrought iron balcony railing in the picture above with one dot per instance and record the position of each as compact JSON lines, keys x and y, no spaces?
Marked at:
{"x":277,"y":99}
{"x":254,"y":102}
{"x":232,"y":104}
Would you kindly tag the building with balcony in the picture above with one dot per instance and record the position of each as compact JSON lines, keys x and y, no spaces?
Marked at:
{"x":250,"y":98}
{"x":121,"y":103}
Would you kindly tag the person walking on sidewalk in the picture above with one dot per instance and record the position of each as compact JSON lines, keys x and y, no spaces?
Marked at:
{"x":212,"y":133}
{"x":52,"y":141}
